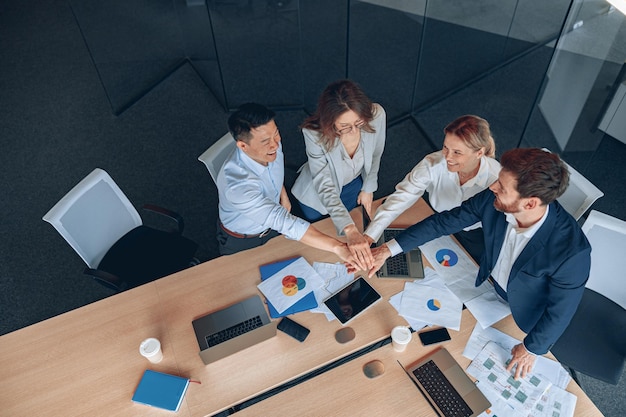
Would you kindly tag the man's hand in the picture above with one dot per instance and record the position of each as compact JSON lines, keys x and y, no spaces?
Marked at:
{"x":352,"y":262}
{"x":284,"y":200}
{"x":365,"y":199}
{"x":359,"y":246}
{"x":380,"y":254}
{"x":523,"y":359}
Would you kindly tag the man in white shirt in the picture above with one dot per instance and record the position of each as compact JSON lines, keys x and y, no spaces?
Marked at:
{"x":253,"y":203}
{"x":536,"y":256}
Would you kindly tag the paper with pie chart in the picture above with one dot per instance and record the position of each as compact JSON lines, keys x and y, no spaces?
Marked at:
{"x":430,"y":301}
{"x":290,"y":284}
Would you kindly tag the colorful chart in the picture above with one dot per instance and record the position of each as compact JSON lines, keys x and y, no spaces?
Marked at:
{"x":446,"y":257}
{"x":433,"y":304}
{"x":292,"y":284}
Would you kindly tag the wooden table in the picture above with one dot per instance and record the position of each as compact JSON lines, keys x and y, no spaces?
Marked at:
{"x":86,"y":361}
{"x":346,"y":391}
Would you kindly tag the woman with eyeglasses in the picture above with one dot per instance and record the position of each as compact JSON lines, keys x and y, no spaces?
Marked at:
{"x":344,"y":138}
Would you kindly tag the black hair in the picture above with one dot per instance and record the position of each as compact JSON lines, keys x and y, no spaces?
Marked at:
{"x":248,"y":117}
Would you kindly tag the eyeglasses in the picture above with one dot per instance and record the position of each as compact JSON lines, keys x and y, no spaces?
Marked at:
{"x":357,"y":125}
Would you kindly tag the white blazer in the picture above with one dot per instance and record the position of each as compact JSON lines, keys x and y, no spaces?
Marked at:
{"x":321,"y":179}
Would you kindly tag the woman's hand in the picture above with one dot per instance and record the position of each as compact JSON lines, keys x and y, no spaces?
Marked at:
{"x":366,"y":199}
{"x":359,"y":246}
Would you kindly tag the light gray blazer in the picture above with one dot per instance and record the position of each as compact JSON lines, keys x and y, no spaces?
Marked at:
{"x":321,"y":178}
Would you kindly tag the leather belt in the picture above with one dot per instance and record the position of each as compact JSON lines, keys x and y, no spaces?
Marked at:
{"x":244,"y":236}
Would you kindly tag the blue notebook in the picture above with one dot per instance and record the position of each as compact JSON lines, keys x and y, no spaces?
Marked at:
{"x":161,"y":390}
{"x":306,"y":303}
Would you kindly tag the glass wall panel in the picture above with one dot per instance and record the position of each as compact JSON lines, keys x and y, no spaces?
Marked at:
{"x":134,"y":44}
{"x":199,"y":44}
{"x":383,"y":49}
{"x":324,"y":37}
{"x":258,"y":47}
{"x":581,"y":111}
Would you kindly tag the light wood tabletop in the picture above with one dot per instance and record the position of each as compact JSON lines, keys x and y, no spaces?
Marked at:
{"x":87,"y":361}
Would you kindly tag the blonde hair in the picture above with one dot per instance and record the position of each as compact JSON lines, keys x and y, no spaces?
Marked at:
{"x":474,"y":131}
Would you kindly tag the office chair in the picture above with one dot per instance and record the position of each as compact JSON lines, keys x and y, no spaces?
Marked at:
{"x":594,"y":343}
{"x":217,"y":153}
{"x":103,"y":227}
{"x":580,"y":193}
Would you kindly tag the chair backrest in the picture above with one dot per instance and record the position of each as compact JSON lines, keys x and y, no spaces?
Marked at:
{"x":93,"y":215}
{"x":607,"y":236}
{"x":580,"y":193}
{"x":215,"y":156}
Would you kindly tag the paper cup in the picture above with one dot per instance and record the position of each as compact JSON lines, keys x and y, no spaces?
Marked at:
{"x":151,"y":350}
{"x":400,"y":338}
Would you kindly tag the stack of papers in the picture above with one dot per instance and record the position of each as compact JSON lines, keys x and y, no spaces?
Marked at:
{"x":288,"y":286}
{"x":490,"y":350}
{"x":428,"y":302}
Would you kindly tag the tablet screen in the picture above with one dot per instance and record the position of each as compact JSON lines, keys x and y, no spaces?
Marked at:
{"x":352,"y":300}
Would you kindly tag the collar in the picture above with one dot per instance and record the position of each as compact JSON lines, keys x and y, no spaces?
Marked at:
{"x":528,"y":231}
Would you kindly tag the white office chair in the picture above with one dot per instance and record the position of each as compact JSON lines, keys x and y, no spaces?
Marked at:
{"x":105,"y":229}
{"x":580,"y":193}
{"x":594,"y":343}
{"x":217,"y":153}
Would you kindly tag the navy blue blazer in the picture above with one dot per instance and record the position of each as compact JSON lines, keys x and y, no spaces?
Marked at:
{"x":547,"y":279}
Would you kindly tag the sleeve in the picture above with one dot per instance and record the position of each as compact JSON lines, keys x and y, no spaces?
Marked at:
{"x":408,"y":191}
{"x":444,"y":223}
{"x":248,"y":199}
{"x":322,"y":174}
{"x":566,"y":287}
{"x":370,"y":182}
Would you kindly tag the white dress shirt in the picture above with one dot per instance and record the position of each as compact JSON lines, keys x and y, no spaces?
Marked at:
{"x":444,"y":190}
{"x":514,"y":243}
{"x":249,"y":197}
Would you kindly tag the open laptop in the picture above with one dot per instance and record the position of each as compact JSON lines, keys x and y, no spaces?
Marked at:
{"x":403,"y":265}
{"x":232,"y":329}
{"x":446,"y":386}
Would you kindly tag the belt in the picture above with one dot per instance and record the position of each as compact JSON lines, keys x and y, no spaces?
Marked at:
{"x":244,"y":236}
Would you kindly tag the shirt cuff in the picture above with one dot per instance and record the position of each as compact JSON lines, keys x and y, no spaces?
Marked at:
{"x":394,"y":247}
{"x":528,"y":350}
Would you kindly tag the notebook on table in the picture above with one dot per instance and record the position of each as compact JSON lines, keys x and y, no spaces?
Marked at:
{"x":304,"y":304}
{"x":445,"y":385}
{"x":403,"y":265}
{"x":161,"y":390}
{"x":232,"y":329}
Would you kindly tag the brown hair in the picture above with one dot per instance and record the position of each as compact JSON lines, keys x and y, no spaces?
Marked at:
{"x":474,"y":131}
{"x":539,"y":173}
{"x":336,"y":99}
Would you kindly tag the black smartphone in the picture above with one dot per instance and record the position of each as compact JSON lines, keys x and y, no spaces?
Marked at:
{"x":430,"y":337}
{"x":293,"y":329}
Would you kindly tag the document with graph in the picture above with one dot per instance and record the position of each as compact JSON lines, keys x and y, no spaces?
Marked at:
{"x":508,"y":396}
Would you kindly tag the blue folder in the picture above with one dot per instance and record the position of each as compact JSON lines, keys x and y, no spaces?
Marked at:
{"x":305,"y":303}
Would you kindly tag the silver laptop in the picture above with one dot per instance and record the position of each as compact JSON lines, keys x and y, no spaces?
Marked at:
{"x":404,"y":265}
{"x":232,"y":329}
{"x":446,"y":386}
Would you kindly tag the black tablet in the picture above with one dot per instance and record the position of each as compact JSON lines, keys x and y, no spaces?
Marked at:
{"x":353,"y":299}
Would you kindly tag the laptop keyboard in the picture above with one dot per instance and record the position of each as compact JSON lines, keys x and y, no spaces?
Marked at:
{"x":441,"y":391}
{"x":234,"y":331}
{"x":396,"y":265}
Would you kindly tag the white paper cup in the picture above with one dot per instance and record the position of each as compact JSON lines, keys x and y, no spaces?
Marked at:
{"x":400,"y":338}
{"x":151,"y":349}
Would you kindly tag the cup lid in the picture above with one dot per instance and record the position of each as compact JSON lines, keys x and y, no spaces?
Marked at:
{"x":401,"y":334}
{"x":150,"y":347}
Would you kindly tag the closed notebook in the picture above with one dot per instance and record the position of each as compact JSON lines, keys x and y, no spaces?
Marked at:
{"x":306,"y":303}
{"x":161,"y":390}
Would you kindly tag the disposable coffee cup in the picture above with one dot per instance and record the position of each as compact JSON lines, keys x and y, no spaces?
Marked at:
{"x":151,"y":350}
{"x":400,"y":338}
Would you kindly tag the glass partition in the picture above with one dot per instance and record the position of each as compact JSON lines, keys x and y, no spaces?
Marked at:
{"x":134,"y":45}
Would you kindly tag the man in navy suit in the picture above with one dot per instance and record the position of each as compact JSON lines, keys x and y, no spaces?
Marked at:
{"x":536,"y":256}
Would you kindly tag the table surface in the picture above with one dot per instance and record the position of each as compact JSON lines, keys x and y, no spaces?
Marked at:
{"x":87,"y":361}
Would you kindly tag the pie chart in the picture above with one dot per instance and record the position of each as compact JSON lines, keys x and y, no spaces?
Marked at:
{"x":446,"y":257}
{"x":433,"y":304}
